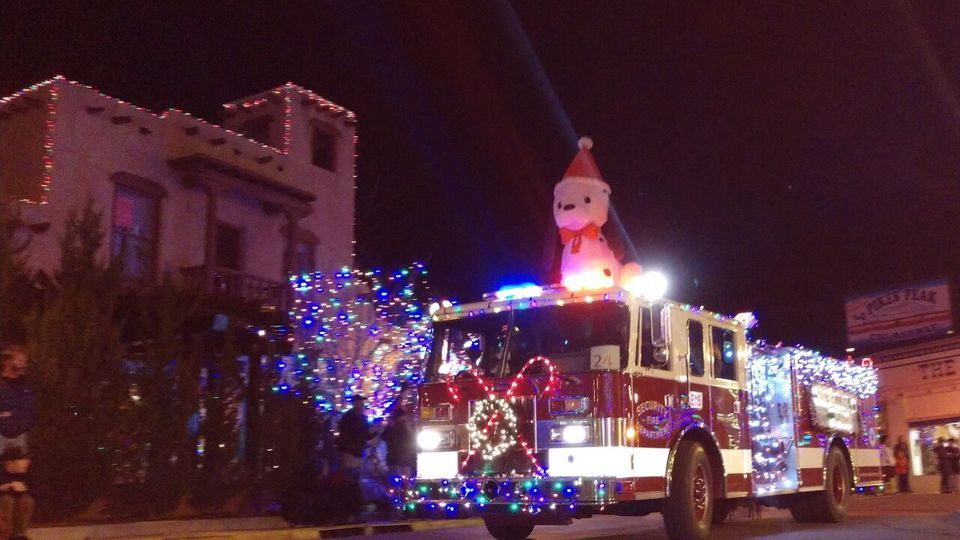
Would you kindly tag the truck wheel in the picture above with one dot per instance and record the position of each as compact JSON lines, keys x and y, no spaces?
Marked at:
{"x":830,"y":505}
{"x":507,"y":531}
{"x":688,"y":510}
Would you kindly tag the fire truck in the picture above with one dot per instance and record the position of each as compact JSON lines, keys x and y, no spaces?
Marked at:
{"x":544,"y":405}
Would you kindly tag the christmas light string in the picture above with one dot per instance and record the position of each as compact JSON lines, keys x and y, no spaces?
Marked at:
{"x":769,"y":383}
{"x":48,"y":141}
{"x":286,"y":93}
{"x":50,"y":125}
{"x":287,"y":117}
{"x":492,"y":426}
{"x":357,"y":332}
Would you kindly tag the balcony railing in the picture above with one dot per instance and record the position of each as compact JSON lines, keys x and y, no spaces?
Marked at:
{"x":235,"y":287}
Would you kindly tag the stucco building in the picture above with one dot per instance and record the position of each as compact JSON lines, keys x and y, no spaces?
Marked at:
{"x":920,"y":400}
{"x":232,"y":209}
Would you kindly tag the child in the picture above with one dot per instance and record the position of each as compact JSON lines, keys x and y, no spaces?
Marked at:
{"x":16,"y":502}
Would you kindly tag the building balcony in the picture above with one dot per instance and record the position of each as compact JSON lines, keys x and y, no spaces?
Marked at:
{"x":232,"y":289}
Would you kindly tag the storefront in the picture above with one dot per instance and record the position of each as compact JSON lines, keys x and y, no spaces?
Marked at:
{"x":920,"y":400}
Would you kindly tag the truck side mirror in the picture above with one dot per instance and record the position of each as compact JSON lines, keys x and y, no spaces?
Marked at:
{"x":659,"y":322}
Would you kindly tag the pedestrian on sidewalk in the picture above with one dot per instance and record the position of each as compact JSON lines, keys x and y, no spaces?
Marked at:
{"x":353,"y":434}
{"x":887,"y":463}
{"x":901,"y":464}
{"x":401,"y":438}
{"x":16,"y":502}
{"x":944,"y":465}
{"x":17,"y":412}
{"x":373,"y":477}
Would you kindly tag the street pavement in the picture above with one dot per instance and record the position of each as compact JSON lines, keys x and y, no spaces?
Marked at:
{"x":899,"y":517}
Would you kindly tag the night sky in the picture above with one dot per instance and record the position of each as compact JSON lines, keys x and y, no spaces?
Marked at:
{"x":766,"y":157}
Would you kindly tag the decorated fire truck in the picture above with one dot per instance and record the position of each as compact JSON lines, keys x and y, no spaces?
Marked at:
{"x":546,"y":404}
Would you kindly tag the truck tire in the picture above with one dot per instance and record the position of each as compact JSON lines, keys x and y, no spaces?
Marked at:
{"x":507,"y":531}
{"x":830,"y":505}
{"x":688,"y":511}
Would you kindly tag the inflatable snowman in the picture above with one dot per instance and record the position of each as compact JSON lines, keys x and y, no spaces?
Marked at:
{"x":581,"y":201}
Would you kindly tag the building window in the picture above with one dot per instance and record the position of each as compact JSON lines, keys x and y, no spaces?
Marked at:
{"x":724,"y":354}
{"x":695,"y":341}
{"x":925,"y":437}
{"x":227,"y":249}
{"x":324,"y":148}
{"x":133,"y":239}
{"x":257,"y":129}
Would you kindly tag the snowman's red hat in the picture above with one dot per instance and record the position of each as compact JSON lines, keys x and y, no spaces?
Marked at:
{"x":583,"y":169}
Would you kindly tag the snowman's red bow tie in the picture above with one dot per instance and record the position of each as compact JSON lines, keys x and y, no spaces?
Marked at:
{"x":591,"y":231}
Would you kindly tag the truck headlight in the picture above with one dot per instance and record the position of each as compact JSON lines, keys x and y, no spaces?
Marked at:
{"x":570,"y":434}
{"x":575,"y":434}
{"x":428,"y":439}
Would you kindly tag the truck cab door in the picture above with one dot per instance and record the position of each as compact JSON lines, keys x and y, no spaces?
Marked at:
{"x":696,"y":398}
{"x":728,"y":411}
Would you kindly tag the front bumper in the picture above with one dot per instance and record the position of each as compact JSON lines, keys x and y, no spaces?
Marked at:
{"x":527,"y":495}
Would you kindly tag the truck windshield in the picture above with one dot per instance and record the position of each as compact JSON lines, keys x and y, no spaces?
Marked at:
{"x":565,"y":335}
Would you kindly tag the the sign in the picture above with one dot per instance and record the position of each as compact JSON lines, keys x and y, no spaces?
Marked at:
{"x":696,"y":400}
{"x":938,"y":369}
{"x":920,"y":373}
{"x":899,"y":314}
{"x":604,"y":357}
{"x":833,"y":410}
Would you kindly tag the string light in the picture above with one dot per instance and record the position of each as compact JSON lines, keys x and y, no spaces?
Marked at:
{"x":50,"y":125}
{"x":492,"y":426}
{"x":285,"y":92}
{"x":771,"y":411}
{"x":48,"y":141}
{"x":287,"y":117}
{"x":359,"y":332}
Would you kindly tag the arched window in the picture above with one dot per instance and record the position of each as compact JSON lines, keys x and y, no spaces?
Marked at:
{"x":135,"y":226}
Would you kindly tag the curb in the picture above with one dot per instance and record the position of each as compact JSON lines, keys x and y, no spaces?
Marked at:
{"x":399,"y":527}
{"x":289,"y":533}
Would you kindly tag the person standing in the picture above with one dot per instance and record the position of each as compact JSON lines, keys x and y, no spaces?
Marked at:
{"x":354,"y":432}
{"x":942,"y":450}
{"x":400,"y":437}
{"x":17,"y":418}
{"x":17,"y":410}
{"x":901,"y":465}
{"x":16,"y":502}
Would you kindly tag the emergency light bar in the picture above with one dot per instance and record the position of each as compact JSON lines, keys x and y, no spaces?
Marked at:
{"x":523,"y":290}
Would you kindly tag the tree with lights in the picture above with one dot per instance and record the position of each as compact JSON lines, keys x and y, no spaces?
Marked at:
{"x":351,"y":333}
{"x":357,"y":333}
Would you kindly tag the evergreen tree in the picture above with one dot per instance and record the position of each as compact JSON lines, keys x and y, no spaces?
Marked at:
{"x":76,"y":370}
{"x":15,"y":286}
